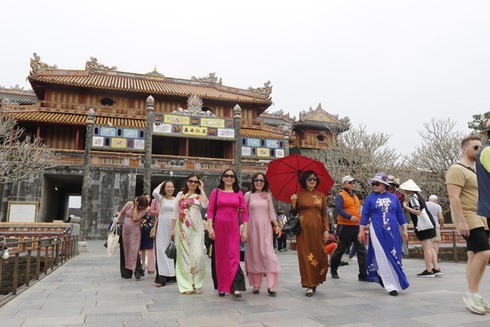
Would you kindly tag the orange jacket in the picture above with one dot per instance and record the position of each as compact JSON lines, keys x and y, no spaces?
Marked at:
{"x":352,"y":206}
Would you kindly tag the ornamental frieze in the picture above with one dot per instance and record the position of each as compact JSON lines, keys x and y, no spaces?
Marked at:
{"x":37,"y":65}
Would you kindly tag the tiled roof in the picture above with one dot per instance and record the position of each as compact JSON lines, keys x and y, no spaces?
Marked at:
{"x":14,"y":96}
{"x":74,"y":119}
{"x":259,"y":133}
{"x":152,"y":85}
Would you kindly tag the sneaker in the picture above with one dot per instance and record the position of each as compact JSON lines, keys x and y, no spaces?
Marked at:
{"x":354,"y":258}
{"x":437,"y":272}
{"x":473,"y":303}
{"x":334,"y":274}
{"x":483,"y":303}
{"x":426,"y":274}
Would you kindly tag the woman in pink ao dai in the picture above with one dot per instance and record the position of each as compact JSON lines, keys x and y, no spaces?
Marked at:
{"x":260,"y":258}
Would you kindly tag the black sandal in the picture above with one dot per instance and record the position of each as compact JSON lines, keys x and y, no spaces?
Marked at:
{"x":256,"y":291}
{"x":221,"y":294}
{"x":271,"y":293}
{"x":237,"y":294}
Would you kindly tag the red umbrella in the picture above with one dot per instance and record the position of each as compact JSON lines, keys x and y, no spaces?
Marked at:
{"x":283,"y":176}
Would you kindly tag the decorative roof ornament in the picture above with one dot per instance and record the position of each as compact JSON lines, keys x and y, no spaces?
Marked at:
{"x":155,"y":73}
{"x":37,"y":65}
{"x":280,"y":114}
{"x":210,"y":79}
{"x":194,"y":104}
{"x":237,"y":112}
{"x":93,"y":65}
{"x":265,"y":91}
{"x":319,"y":117}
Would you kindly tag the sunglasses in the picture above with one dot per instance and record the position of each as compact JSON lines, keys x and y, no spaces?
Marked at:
{"x":351,"y":182}
{"x":312,"y":179}
{"x":258,"y":180}
{"x":191,"y":181}
{"x":375,"y":184}
{"x":229,"y":176}
{"x":476,"y":147}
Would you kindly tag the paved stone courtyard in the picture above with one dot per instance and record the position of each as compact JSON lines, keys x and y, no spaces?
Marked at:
{"x":88,"y":291}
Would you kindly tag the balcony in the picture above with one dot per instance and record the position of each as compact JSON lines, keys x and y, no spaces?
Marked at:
{"x":160,"y":163}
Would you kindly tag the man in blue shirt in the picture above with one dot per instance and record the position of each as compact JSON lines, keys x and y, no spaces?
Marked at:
{"x":483,"y":174}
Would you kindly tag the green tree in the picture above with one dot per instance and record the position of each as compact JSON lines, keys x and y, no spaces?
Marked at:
{"x":479,"y":122}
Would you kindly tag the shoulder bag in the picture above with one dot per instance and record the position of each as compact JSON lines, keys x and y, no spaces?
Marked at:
{"x":423,"y":219}
{"x":112,"y":241}
{"x":293,"y":226}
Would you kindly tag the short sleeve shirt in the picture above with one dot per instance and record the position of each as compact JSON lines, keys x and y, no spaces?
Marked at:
{"x":434,"y":209}
{"x":466,"y":179}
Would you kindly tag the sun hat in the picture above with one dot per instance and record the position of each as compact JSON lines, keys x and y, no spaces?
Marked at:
{"x":347,"y":178}
{"x":393,"y":180}
{"x":410,"y":186}
{"x":380,"y":177}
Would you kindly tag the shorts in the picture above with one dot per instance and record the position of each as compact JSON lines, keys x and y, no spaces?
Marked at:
{"x":438,"y":235}
{"x":478,"y":240}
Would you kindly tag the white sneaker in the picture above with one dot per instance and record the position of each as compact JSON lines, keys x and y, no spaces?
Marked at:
{"x":354,"y":258}
{"x":473,"y":303}
{"x":483,"y":303}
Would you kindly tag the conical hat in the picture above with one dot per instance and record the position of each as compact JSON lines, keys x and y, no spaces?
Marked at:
{"x":410,"y":186}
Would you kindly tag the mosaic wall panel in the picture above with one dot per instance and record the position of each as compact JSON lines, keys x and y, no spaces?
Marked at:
{"x":194,"y":126}
{"x":126,"y":139}
{"x":262,"y":148}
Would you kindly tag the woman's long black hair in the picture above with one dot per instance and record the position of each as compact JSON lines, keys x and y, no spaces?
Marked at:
{"x":185,"y":189}
{"x":221,"y":184}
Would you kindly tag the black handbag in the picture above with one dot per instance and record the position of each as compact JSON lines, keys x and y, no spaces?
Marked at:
{"x":171,"y":250}
{"x":293,"y":226}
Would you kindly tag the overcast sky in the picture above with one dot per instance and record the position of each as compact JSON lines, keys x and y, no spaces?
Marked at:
{"x":390,"y":65}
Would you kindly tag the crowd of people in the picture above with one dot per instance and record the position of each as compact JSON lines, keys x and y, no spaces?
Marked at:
{"x":375,"y":227}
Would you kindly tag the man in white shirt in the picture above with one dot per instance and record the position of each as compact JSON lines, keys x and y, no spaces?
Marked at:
{"x":436,"y":211}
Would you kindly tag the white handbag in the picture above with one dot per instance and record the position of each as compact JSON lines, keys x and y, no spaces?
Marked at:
{"x":423,"y":221}
{"x":112,"y":241}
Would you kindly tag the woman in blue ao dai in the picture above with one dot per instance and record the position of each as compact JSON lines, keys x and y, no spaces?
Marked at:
{"x":383,"y":212}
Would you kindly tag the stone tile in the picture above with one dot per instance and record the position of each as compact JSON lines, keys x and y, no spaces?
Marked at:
{"x":116,"y":309}
{"x":453,"y":319}
{"x":88,"y":291}
{"x":114,"y":318}
{"x":52,"y":321}
{"x":210,"y":321}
